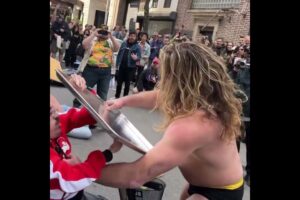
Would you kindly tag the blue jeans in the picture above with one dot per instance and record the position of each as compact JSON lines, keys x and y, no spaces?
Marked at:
{"x":99,"y":76}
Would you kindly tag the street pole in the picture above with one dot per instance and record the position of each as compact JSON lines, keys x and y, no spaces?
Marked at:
{"x":106,"y":11}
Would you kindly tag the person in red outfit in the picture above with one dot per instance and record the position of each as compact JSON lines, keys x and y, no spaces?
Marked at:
{"x":68,"y":175}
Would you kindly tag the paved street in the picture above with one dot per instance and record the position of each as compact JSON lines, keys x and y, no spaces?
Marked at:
{"x":144,"y":122}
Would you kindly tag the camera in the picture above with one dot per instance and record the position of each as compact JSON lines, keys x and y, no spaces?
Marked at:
{"x":103,"y":32}
{"x":241,"y":63}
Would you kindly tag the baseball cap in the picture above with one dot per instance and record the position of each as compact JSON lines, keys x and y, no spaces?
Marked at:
{"x":155,"y":61}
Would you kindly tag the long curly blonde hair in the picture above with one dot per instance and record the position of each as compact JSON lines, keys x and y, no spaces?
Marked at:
{"x":193,"y":78}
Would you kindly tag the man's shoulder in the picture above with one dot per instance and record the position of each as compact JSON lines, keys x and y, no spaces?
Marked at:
{"x":185,"y":121}
{"x":136,"y":45}
{"x":196,"y":126}
{"x":183,"y":133}
{"x":180,"y":126}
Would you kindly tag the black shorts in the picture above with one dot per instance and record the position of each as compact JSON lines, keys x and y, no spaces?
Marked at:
{"x":216,"y":193}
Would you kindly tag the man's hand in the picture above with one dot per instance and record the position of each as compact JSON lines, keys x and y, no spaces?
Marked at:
{"x":153,"y":79}
{"x":134,"y":56}
{"x":78,"y":81}
{"x":95,"y":32}
{"x":73,"y":160}
{"x":114,"y":104}
{"x":116,"y":146}
{"x":94,"y":29}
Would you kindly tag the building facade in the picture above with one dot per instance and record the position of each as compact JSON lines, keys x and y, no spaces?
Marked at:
{"x":70,"y":9}
{"x":219,"y":18}
{"x":94,"y":12}
{"x":84,"y":11}
{"x":228,"y":19}
{"x":162,"y":14}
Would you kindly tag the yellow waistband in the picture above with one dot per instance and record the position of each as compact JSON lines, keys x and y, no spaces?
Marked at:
{"x":234,"y":186}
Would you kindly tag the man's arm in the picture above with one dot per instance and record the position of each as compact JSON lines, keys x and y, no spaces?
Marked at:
{"x":55,"y":13}
{"x":118,"y":60}
{"x":178,"y":142}
{"x":55,"y":29}
{"x":75,"y":118}
{"x":87,"y":42}
{"x":147,"y":52}
{"x":116,"y":44}
{"x":139,"y":53}
{"x":143,"y":100}
{"x":73,"y":178}
{"x":136,"y":56}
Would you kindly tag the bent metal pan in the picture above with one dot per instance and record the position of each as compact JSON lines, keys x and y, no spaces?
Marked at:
{"x":113,"y":121}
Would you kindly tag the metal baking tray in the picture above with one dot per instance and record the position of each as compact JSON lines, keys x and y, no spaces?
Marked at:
{"x":114,"y":122}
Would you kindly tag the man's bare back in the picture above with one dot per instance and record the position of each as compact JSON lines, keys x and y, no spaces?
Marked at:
{"x":216,"y":163}
{"x":203,"y":147}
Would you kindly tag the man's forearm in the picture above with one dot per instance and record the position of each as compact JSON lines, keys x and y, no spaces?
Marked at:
{"x":122,"y":175}
{"x":53,"y":18}
{"x":143,"y":100}
{"x":115,"y":44}
{"x":87,"y":41}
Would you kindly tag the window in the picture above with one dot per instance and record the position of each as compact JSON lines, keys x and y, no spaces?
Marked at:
{"x":207,"y":31}
{"x":215,"y":4}
{"x":154,"y":3}
{"x":167,"y":3}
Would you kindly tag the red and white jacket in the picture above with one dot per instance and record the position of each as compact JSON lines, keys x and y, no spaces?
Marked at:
{"x":67,"y":180}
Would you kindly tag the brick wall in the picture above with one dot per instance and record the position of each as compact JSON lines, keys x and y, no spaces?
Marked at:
{"x":184,"y":18}
{"x":231,"y":29}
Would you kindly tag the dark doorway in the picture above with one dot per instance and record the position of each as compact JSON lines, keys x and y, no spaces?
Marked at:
{"x":99,"y":18}
{"x":79,"y":15}
{"x":207,"y":31}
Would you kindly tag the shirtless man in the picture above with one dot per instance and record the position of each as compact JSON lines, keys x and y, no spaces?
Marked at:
{"x":201,"y":123}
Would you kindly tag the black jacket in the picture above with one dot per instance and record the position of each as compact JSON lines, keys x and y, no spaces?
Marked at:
{"x":146,"y":78}
{"x":242,"y":79}
{"x":62,"y":29}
